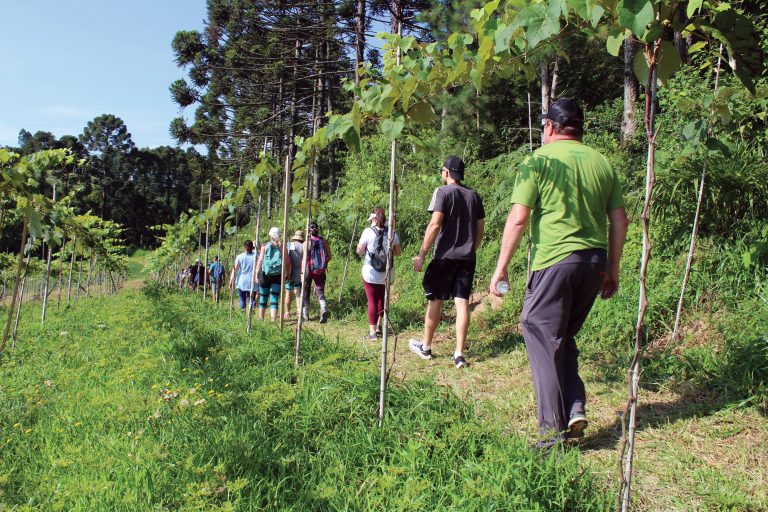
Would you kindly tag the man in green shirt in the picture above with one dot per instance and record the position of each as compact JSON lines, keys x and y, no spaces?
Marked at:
{"x":573,"y":200}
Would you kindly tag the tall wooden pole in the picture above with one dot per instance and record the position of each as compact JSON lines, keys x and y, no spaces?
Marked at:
{"x":47,"y":277}
{"x":234,"y":248}
{"x":79,"y":276}
{"x":257,"y":250}
{"x":305,"y":255}
{"x":626,"y":450}
{"x":21,"y":299}
{"x":61,"y":272}
{"x":88,"y":278}
{"x":199,"y":247}
{"x":388,"y":273}
{"x":14,"y":297}
{"x":218,"y":251}
{"x":286,"y":201}
{"x":207,"y":240}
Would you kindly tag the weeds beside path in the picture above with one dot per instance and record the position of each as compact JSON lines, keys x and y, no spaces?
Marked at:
{"x":152,"y":400}
{"x":693,"y":452}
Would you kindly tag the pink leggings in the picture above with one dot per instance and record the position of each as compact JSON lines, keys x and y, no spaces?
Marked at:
{"x":375,"y":294}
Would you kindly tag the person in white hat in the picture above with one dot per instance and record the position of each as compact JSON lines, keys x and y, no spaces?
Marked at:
{"x":295,"y":250}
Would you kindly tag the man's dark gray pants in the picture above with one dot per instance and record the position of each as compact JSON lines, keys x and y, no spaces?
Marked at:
{"x":557,"y":301}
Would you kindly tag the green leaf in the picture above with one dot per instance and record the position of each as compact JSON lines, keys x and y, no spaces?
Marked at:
{"x":540,"y":21}
{"x":635,"y":15}
{"x":422,"y":113}
{"x":614,"y":41}
{"x":393,"y":126}
{"x":694,"y":131}
{"x":669,"y":62}
{"x":640,"y":66}
{"x":695,"y":47}
{"x":588,"y":10}
{"x":693,"y":6}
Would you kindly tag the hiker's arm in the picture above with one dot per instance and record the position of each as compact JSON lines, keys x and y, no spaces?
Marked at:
{"x":397,"y":250}
{"x":287,"y":259}
{"x":261,"y":259}
{"x":327,"y":250}
{"x":480,"y":232}
{"x":514,"y":229}
{"x":433,"y":229}
{"x":617,"y":234}
{"x":361,"y":248}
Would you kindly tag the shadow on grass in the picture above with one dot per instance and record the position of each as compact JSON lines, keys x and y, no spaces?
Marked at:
{"x":505,"y":343}
{"x":738,"y":379}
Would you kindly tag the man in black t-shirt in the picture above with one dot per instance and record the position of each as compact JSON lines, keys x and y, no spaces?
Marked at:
{"x":456,"y":229}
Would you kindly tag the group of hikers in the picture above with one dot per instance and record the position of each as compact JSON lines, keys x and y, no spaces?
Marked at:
{"x":570,"y":197}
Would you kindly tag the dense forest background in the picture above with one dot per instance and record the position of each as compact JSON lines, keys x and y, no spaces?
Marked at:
{"x":260,"y":73}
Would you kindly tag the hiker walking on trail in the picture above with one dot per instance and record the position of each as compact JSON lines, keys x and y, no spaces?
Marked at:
{"x":216,"y":277}
{"x":194,"y":273}
{"x":242,"y":275}
{"x":374,"y":245}
{"x":455,"y":229}
{"x":317,"y":263}
{"x":268,"y":269}
{"x":293,"y":283}
{"x":568,"y":191}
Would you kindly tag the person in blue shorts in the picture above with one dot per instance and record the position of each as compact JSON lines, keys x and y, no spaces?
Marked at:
{"x":215,"y":276}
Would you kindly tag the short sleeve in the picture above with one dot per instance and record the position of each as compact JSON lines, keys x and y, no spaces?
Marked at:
{"x":526,"y":191}
{"x":616,"y":198}
{"x":363,"y":237}
{"x":438,"y":201}
{"x":396,"y":240}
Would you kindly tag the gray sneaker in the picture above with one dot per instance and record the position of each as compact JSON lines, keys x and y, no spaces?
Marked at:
{"x":417,"y":347}
{"x":460,"y":362}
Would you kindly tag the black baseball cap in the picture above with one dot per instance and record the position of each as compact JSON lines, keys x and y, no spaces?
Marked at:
{"x":566,"y":112}
{"x":455,"y":165}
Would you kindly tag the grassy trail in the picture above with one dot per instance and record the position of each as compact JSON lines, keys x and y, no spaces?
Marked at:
{"x":692,"y":452}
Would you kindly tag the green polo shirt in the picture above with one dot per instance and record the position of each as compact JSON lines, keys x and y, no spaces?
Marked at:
{"x":570,"y":188}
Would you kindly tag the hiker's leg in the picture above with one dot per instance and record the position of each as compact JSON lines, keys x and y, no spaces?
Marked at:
{"x":431,"y":321}
{"x":379,"y":291}
{"x":274,"y":298}
{"x":370,"y":294}
{"x":242,"y":294}
{"x":462,"y":323}
{"x":263,"y":298}
{"x":320,"y":291}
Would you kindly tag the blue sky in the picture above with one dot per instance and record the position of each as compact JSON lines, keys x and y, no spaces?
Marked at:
{"x":65,"y":62}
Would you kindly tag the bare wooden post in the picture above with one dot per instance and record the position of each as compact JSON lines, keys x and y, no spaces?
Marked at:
{"x":346,"y":261}
{"x":88,"y":278}
{"x":218,"y":251}
{"x":388,"y":273}
{"x":696,"y":219}
{"x":21,"y":300}
{"x":257,"y":249}
{"x":305,"y":255}
{"x":16,"y":285}
{"x":234,"y":250}
{"x":287,"y":198}
{"x":61,"y":272}
{"x":626,"y":450}
{"x":199,"y":247}
{"x":79,"y":275}
{"x":207,"y":240}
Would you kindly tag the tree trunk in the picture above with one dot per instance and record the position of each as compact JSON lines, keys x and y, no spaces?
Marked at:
{"x":545,"y":86}
{"x":628,"y":121}
{"x":359,"y":39}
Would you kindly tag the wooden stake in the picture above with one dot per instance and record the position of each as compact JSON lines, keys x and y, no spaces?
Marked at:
{"x":14,"y":297}
{"x":207,"y":239}
{"x":47,"y":276}
{"x":61,"y":272}
{"x":287,"y":198}
{"x":388,"y":273}
{"x":630,"y":414}
{"x":234,"y":249}
{"x":21,"y":300}
{"x":257,"y":250}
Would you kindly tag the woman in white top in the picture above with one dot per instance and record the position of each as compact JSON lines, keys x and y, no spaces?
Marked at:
{"x":373,"y":245}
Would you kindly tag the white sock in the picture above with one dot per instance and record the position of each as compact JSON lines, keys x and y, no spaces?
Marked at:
{"x":458,"y":354}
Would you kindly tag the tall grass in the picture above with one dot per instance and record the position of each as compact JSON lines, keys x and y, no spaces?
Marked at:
{"x":150,"y":401}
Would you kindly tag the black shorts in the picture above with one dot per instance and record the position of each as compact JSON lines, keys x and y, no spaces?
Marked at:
{"x":445,"y":279}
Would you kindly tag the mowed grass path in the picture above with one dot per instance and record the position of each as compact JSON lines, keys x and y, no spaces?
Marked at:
{"x":152,"y":401}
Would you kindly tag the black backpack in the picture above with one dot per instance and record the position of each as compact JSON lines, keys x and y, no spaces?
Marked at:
{"x":379,"y":253}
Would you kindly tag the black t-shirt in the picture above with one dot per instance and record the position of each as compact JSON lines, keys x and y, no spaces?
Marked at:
{"x":462,"y":208}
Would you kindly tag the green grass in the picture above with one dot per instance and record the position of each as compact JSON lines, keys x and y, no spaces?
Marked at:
{"x":151,"y":401}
